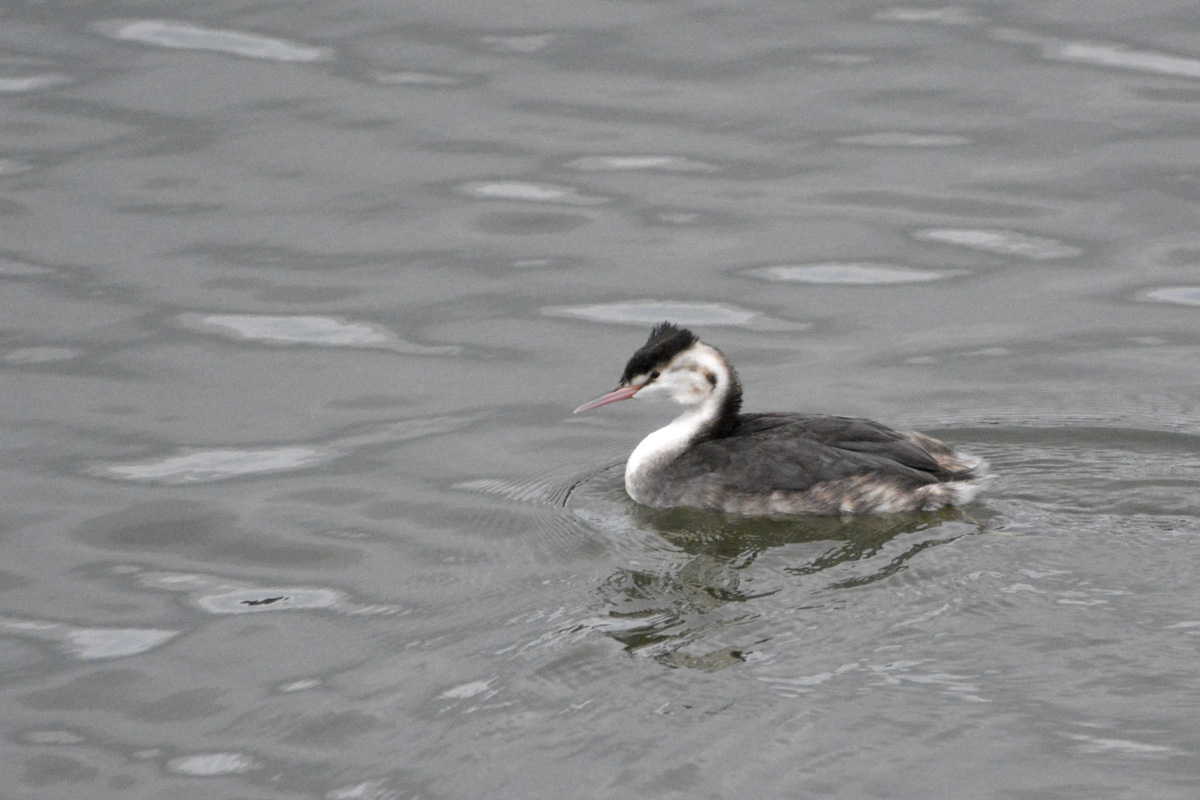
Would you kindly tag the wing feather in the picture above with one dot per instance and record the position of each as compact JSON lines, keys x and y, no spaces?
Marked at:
{"x":794,"y":452}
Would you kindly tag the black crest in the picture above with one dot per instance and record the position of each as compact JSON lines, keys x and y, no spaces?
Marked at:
{"x":666,"y":341}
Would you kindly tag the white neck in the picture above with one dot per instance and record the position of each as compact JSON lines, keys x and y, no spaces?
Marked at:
{"x":666,"y":444}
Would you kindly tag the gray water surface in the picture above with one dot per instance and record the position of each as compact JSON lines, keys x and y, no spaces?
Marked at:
{"x":297,"y":299}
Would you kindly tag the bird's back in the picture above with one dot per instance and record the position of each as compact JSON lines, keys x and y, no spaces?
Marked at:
{"x":805,"y":463}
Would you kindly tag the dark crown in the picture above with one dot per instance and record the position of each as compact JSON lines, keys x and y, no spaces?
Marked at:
{"x":666,"y":341}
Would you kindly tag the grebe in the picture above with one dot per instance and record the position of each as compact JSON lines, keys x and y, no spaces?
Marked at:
{"x":714,"y":458}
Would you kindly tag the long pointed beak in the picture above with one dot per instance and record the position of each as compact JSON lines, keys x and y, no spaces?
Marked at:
{"x":624,"y":393}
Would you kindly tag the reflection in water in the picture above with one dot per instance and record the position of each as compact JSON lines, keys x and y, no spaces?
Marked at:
{"x":665,"y":610}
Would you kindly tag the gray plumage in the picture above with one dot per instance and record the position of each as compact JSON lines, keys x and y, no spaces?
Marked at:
{"x":768,"y":462}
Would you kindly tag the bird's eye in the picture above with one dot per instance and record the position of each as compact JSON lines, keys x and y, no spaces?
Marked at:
{"x":654,"y":375}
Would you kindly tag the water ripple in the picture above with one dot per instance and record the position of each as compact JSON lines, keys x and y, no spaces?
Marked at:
{"x":13,"y":166}
{"x":527,"y":192}
{"x":212,"y":764}
{"x":302,"y":329}
{"x":1107,"y":55}
{"x":15,"y":268}
{"x":185,"y":36}
{"x":55,"y":736}
{"x":43,"y":354}
{"x":527,"y":44}
{"x":249,"y":601}
{"x":367,"y":790}
{"x":219,"y":464}
{"x":467,"y":691}
{"x":1009,"y":243}
{"x":218,"y":596}
{"x":204,"y":465}
{"x":1103,"y":54}
{"x":32,"y":83}
{"x":946,"y":15}
{"x":640,"y":163}
{"x":850,"y":274}
{"x":1177,"y":295}
{"x":422,"y":80}
{"x":1101,"y":746}
{"x":905,"y":139}
{"x":648,"y":312}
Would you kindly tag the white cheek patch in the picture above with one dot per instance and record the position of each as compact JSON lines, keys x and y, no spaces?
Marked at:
{"x":690,"y":379}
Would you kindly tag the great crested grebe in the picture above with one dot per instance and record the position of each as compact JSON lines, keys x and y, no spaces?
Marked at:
{"x":715,"y":458}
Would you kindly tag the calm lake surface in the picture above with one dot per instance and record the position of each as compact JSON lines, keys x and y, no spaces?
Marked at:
{"x":297,"y":300}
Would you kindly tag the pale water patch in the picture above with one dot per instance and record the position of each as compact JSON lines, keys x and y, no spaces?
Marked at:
{"x":793,"y":687}
{"x":530,"y":43}
{"x":39,"y":355}
{"x":367,"y":790}
{"x":468,"y":690}
{"x":905,"y":139}
{"x":89,"y":644}
{"x":325,"y":331}
{"x":98,"y":643}
{"x":186,"y":36}
{"x":530,"y":193}
{"x":425,"y":80}
{"x":850,"y":273}
{"x":1106,"y":55}
{"x":207,"y":765}
{"x":1176,"y":295}
{"x":307,"y":329}
{"x":844,"y":59}
{"x":640,"y":163}
{"x":218,"y":464}
{"x":13,"y":166}
{"x":32,"y":83}
{"x":679,"y":217}
{"x":646,"y":312}
{"x":1103,"y":54}
{"x":1014,"y":243}
{"x":14,"y":268}
{"x":1095,"y":745}
{"x":204,"y":465}
{"x":56,"y":736}
{"x":946,"y":15}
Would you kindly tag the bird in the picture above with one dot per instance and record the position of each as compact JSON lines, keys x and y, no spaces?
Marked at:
{"x":714,"y":458}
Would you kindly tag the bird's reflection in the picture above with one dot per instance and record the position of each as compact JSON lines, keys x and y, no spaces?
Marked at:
{"x":677,"y":609}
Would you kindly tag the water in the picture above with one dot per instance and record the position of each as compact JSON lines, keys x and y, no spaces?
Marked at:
{"x":297,"y":300}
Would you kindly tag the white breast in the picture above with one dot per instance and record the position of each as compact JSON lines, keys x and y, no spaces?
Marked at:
{"x":659,"y":449}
